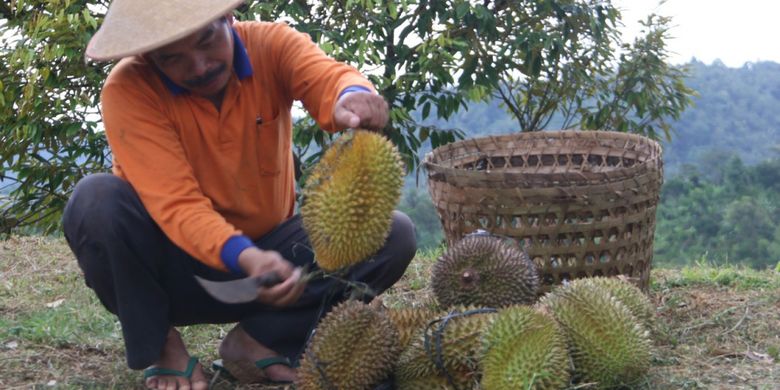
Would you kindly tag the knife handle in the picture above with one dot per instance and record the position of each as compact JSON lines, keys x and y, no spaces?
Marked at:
{"x":268,"y":280}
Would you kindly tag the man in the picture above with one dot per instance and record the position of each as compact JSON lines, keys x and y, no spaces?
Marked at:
{"x":197,"y":115}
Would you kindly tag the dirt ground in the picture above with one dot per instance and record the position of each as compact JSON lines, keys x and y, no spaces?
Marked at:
{"x":716,"y":328}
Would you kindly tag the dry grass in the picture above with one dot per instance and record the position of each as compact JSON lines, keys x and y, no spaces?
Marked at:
{"x":717,"y":328}
{"x":716,"y":333}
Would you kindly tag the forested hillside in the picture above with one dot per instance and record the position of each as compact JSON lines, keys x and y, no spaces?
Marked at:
{"x":724,"y":215}
{"x":720,"y":202}
{"x":735,"y":112}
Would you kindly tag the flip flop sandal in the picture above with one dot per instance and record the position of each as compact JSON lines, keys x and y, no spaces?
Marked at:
{"x":247,"y":372}
{"x":160,"y":371}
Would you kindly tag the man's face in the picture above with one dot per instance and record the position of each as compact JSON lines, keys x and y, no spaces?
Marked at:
{"x":202,"y":62}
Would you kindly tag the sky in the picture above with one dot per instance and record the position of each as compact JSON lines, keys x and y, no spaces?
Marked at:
{"x":733,"y":31}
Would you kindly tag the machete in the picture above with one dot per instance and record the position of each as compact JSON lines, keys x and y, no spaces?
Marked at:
{"x":239,"y":290}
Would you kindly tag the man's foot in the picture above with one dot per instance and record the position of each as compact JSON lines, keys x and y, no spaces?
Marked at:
{"x":175,"y":357}
{"x":240,"y":346}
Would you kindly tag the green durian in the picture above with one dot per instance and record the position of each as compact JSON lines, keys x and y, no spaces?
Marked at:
{"x":458,"y":381}
{"x":524,"y":349}
{"x":349,"y":199}
{"x":355,"y":346}
{"x":625,"y":292}
{"x":448,"y":344}
{"x":607,"y":343}
{"x":486,"y":271}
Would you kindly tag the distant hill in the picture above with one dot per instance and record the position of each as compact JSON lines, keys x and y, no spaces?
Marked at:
{"x":736,"y":112}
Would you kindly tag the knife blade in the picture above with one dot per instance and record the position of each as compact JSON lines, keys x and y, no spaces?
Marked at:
{"x":239,"y":290}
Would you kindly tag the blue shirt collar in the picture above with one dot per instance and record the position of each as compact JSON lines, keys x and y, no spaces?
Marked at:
{"x":241,"y":65}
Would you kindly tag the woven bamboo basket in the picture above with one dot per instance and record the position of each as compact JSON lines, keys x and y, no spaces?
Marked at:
{"x":582,"y":203}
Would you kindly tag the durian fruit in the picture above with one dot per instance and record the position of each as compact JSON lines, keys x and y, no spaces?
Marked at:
{"x":486,"y":271}
{"x":607,"y":343}
{"x":355,"y":346}
{"x":448,"y":345}
{"x":524,"y":349}
{"x":627,"y":293}
{"x":349,"y":199}
{"x":410,"y":321}
{"x":457,"y":381}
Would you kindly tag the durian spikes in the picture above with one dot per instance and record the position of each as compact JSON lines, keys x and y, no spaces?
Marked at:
{"x":607,"y":343}
{"x":625,"y":292}
{"x":458,"y":381}
{"x":524,"y":349}
{"x":354,"y":347}
{"x":448,"y":347}
{"x":484,"y":271}
{"x":349,"y":199}
{"x":409,"y":322}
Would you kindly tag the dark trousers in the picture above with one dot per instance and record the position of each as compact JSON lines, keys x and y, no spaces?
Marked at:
{"x":147,"y":281}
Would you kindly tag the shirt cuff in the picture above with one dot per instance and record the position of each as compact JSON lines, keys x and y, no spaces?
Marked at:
{"x":230,"y":251}
{"x":353,"y":88}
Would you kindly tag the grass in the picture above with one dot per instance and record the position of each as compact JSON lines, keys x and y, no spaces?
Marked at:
{"x":716,"y":328}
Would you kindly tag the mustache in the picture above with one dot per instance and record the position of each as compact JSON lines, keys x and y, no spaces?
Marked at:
{"x":206,"y":78}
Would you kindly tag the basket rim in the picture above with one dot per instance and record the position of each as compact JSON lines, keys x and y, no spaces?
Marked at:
{"x":653,"y":163}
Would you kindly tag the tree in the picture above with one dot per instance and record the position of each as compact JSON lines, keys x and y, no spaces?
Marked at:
{"x":417,"y":205}
{"x":749,"y":232}
{"x":645,"y":93}
{"x":429,"y":59}
{"x":729,"y":218}
{"x":48,"y":108}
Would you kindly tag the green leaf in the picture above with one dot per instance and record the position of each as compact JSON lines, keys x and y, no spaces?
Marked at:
{"x":392,"y":8}
{"x":462,"y":9}
{"x":426,"y":110}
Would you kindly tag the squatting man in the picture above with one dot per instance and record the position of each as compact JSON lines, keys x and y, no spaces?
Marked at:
{"x":197,"y":113}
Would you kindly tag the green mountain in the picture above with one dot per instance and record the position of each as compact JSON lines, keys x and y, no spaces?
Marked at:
{"x":736,"y":113}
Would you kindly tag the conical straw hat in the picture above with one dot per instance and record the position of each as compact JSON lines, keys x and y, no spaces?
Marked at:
{"x":137,"y":26}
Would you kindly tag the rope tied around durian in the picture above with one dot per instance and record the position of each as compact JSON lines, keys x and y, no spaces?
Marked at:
{"x":435,"y":354}
{"x":319,"y":366}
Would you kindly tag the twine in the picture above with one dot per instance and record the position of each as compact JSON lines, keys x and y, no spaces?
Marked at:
{"x":438,"y":357}
{"x":321,"y":370}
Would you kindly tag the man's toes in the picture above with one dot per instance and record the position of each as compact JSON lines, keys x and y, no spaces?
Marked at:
{"x":183,"y":383}
{"x":199,"y":381}
{"x":155,"y":383}
{"x":200,"y":384}
{"x":158,"y":383}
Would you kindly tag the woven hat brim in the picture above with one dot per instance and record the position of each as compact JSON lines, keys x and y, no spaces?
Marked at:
{"x":134,"y":27}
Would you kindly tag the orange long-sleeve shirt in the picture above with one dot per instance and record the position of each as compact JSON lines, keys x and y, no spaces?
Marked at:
{"x":206,"y":175}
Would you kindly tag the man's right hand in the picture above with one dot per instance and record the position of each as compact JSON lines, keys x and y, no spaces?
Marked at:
{"x":256,"y":262}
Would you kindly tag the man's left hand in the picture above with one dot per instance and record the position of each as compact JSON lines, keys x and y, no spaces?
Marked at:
{"x":360,"y":110}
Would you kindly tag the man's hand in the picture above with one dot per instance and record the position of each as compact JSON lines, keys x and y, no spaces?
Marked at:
{"x":360,"y":109}
{"x":256,"y":262}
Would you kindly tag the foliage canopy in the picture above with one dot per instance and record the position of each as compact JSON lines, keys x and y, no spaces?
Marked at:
{"x":429,"y":59}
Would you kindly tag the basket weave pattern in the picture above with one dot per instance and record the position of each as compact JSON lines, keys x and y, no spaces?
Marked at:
{"x":582,"y":202}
